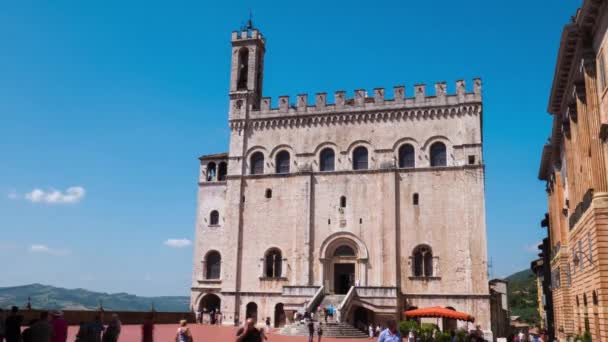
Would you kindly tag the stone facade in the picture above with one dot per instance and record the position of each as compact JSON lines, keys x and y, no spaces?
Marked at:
{"x":574,"y":167}
{"x":379,"y":199}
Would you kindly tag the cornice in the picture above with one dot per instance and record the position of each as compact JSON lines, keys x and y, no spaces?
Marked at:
{"x":358,"y":117}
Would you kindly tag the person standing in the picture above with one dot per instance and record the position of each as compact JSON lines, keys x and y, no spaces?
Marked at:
{"x":390,"y":334}
{"x":370,"y":330}
{"x":2,"y":329}
{"x":95,"y":329}
{"x":198,"y":314}
{"x":311,"y":331}
{"x":113,"y":331}
{"x":147,"y":329}
{"x":12,"y":326}
{"x":268,"y":325}
{"x":60,"y":327}
{"x":320,"y":331}
{"x":42,"y":330}
{"x":183,"y":333}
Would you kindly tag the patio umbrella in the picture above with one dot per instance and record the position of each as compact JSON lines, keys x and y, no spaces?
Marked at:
{"x":439,"y":312}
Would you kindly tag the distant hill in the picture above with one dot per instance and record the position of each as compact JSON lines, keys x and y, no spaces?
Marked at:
{"x":523,"y":299}
{"x":54,"y":298}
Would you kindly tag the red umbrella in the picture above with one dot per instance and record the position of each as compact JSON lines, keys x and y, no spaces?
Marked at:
{"x":439,"y":312}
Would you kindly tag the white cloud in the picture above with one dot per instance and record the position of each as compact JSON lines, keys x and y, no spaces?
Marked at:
{"x":72,"y":194}
{"x":178,"y":243}
{"x":44,"y":249}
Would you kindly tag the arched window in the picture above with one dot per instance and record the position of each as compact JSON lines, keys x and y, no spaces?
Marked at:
{"x":222,"y":170}
{"x":327,"y":160}
{"x":243,"y":70}
{"x":282,"y":162}
{"x":257,"y":163}
{"x":360,"y":158}
{"x":423,"y":261}
{"x":211,"y":172}
{"x":438,"y":154}
{"x":344,"y":251}
{"x":407,"y":156}
{"x":213,"y":263}
{"x":214,"y":218}
{"x":272,"y":263}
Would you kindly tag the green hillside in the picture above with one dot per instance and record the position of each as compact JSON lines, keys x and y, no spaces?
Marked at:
{"x":50,"y":297}
{"x":523,"y":299}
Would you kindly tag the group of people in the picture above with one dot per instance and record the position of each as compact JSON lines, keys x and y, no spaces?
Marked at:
{"x":212,"y":317}
{"x":54,"y":329}
{"x":528,"y":337}
{"x":374,"y":332}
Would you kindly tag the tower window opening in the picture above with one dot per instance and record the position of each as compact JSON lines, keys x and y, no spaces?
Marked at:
{"x":268,"y":193}
{"x":343,"y":202}
{"x":415,"y":199}
{"x":471,"y":160}
{"x":243,"y":70}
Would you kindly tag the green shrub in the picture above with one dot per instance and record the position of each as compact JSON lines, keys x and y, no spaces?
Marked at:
{"x":587,"y":337}
{"x":406,"y":326}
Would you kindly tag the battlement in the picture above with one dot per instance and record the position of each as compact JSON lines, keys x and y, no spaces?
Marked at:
{"x":245,"y":35}
{"x":376,"y":101}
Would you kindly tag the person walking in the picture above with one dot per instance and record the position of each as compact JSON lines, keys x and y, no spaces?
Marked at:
{"x":60,"y":327}
{"x":147,"y":329}
{"x":41,"y":331}
{"x":12,"y":326}
{"x":390,"y":334}
{"x":183,"y":332}
{"x":320,"y":331}
{"x":113,"y":330}
{"x":311,"y":331}
{"x":249,"y":333}
{"x":268,"y":325}
{"x":370,"y":330}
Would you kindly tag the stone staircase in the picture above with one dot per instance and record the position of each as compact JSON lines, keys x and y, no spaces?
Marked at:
{"x":330,"y":329}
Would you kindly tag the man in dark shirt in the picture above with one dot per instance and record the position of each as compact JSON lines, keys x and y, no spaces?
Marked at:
{"x":13,"y":326}
{"x":249,"y":333}
{"x":311,"y":331}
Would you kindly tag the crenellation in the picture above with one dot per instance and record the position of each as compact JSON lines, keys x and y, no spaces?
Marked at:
{"x":302,"y":102}
{"x":379,"y":96}
{"x":399,"y":94}
{"x":460,"y":90}
{"x":340,"y":99}
{"x":360,"y":97}
{"x":321,"y":101}
{"x":419,"y":93}
{"x":377,"y":101}
{"x":265,"y":106}
{"x":284,"y":103}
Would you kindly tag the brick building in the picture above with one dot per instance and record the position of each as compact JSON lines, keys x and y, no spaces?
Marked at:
{"x":374,"y":203}
{"x":574,"y":167}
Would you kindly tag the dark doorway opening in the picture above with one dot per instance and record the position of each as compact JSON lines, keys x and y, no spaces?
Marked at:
{"x":251,"y":311}
{"x":363,"y":318}
{"x":344,"y":277}
{"x":279,"y":316}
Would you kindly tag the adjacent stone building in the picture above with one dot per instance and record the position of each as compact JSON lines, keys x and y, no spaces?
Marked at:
{"x":373,"y":203}
{"x":574,"y":167}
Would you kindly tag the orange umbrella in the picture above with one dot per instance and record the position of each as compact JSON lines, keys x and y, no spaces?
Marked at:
{"x":439,"y":312}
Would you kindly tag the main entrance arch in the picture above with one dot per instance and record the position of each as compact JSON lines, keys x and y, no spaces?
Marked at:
{"x":209,"y":302}
{"x":344,"y":259}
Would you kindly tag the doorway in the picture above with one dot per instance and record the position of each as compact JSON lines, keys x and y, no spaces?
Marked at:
{"x":344,"y":277}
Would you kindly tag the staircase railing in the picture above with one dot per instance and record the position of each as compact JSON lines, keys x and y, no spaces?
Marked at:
{"x":345,"y":305}
{"x":316,"y":299}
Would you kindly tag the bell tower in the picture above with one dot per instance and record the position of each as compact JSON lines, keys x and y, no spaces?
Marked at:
{"x":247,"y":71}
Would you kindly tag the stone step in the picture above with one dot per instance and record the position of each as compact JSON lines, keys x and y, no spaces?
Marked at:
{"x":340,"y":330}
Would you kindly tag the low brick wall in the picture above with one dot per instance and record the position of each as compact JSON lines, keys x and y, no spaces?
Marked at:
{"x":74,"y":317}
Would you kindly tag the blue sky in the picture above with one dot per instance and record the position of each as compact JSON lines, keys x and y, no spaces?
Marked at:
{"x":115,"y":101}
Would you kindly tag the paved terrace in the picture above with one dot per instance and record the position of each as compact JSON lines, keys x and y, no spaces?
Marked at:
{"x":202,"y":333}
